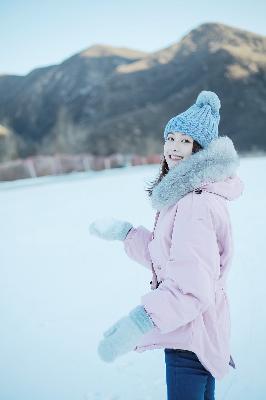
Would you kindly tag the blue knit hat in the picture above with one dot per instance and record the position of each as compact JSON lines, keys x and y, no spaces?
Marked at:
{"x":200,"y":121}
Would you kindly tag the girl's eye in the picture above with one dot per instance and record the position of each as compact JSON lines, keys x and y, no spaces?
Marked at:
{"x":186,"y":140}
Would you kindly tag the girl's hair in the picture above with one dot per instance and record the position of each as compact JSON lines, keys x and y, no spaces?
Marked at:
{"x":164,"y":169}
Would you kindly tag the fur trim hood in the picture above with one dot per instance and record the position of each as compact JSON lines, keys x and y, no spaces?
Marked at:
{"x":212,"y":169}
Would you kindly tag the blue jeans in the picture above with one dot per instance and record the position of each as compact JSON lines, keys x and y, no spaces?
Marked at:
{"x":186,"y":378}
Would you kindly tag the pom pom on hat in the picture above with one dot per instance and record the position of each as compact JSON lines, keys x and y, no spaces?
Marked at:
{"x":200,"y":121}
{"x":209,"y":98}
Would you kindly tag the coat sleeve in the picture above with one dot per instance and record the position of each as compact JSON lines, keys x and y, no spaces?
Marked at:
{"x":188,"y":287}
{"x":136,"y":245}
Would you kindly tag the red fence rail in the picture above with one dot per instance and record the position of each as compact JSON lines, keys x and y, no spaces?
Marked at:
{"x":59,"y":164}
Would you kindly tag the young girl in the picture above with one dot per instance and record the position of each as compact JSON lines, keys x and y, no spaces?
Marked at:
{"x":189,"y":253}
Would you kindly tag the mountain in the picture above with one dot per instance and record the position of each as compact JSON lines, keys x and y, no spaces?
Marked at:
{"x":106,"y":99}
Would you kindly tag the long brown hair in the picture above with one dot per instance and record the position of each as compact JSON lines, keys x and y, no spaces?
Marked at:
{"x":164,"y":169}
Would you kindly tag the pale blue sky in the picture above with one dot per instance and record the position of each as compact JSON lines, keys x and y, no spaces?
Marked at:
{"x":40,"y":33}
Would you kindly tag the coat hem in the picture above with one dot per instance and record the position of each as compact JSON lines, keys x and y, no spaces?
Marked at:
{"x":214,"y":373}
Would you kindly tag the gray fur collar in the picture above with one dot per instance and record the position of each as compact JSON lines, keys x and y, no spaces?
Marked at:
{"x":216,"y":162}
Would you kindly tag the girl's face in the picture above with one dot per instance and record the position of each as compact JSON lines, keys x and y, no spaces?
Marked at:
{"x":178,"y":146}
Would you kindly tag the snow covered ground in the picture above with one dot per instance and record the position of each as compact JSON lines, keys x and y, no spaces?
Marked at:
{"x":60,"y":288}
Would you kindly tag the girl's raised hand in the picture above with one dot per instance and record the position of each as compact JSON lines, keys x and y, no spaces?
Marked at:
{"x":110,"y":228}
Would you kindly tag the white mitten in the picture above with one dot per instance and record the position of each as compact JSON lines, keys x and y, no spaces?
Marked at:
{"x":110,"y":229}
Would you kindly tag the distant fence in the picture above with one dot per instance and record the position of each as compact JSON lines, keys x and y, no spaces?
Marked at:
{"x":58,"y":164}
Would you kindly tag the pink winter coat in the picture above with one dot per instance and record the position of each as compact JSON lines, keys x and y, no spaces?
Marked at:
{"x":189,"y":254}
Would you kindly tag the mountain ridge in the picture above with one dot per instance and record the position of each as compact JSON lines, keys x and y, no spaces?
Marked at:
{"x":107,"y":99}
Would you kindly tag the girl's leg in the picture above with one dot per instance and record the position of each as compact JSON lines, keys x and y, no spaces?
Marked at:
{"x":209,"y":391}
{"x":186,"y":378}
